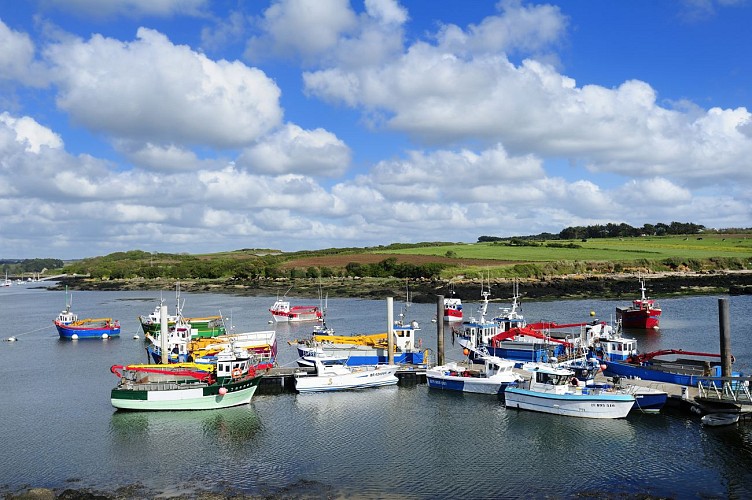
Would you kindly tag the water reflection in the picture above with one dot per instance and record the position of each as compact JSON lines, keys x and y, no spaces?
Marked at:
{"x":231,"y":426}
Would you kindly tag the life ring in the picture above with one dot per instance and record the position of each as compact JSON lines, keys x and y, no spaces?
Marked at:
{"x":236,"y":373}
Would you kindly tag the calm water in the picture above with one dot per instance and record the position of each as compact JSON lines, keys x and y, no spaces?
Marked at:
{"x":59,"y":430}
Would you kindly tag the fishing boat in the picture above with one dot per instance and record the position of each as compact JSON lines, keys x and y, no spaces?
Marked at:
{"x":282,"y":312}
{"x":367,"y":349}
{"x":89,"y":328}
{"x":333,"y":374}
{"x":555,"y":390}
{"x":70,"y":327}
{"x":719,"y":419}
{"x":643,"y":313}
{"x":182,"y":347}
{"x":206,"y":326}
{"x":492,"y":378}
{"x":452,"y":307}
{"x":230,"y":380}
{"x":666,"y":366}
{"x":510,"y":317}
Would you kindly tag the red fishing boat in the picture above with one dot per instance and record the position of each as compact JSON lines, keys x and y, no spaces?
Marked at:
{"x":643,"y":313}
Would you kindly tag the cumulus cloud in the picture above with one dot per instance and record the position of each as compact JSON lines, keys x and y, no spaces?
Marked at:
{"x":17,"y":58}
{"x":32,"y":135}
{"x":300,"y":28}
{"x":294,"y":150}
{"x":152,"y":90}
{"x":465,"y":88}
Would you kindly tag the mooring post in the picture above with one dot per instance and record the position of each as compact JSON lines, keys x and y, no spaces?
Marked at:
{"x":163,"y":332}
{"x":440,"y":330}
{"x":390,"y":330}
{"x":725,"y":328}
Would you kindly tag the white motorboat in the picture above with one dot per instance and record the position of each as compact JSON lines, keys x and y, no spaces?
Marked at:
{"x":556,"y":390}
{"x":333,"y":374}
{"x":491,"y":378}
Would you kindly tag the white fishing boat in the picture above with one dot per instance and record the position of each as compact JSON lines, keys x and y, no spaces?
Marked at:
{"x":556,"y":390}
{"x":333,"y":374}
{"x":490,"y":378}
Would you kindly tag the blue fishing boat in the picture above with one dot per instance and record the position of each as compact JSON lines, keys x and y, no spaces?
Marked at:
{"x":654,"y":366}
{"x":89,"y":328}
{"x":70,"y":327}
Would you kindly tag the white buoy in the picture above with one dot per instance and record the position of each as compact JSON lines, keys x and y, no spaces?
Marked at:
{"x":222,"y":391}
{"x":269,"y":322}
{"x":105,"y":336}
{"x":136,"y":337}
{"x":74,"y":336}
{"x":11,"y":339}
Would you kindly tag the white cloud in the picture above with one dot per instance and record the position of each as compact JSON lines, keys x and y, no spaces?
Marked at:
{"x":460,"y":91}
{"x":17,"y":58}
{"x":300,"y":28}
{"x":30,"y":133}
{"x":294,"y":150}
{"x":152,"y":90}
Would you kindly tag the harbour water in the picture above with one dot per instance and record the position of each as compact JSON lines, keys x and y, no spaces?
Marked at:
{"x":60,"y":431}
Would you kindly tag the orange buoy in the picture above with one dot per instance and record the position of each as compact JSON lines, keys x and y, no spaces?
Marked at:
{"x":466,"y":351}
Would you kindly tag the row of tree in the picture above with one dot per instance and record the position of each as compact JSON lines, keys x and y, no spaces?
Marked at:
{"x":24,"y":266}
{"x":610,"y":230}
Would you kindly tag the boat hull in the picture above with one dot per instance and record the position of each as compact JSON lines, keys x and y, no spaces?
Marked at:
{"x":72,"y":332}
{"x":649,"y":400}
{"x":380,"y":376}
{"x":201,"y":329}
{"x":571,"y":405}
{"x":201,"y":397}
{"x":638,"y":319}
{"x":465,"y":384}
{"x":452,"y":316}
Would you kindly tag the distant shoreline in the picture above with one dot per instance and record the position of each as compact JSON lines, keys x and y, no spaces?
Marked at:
{"x":611,"y":286}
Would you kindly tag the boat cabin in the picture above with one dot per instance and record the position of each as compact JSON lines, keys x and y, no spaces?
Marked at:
{"x":66,"y":317}
{"x":404,"y":336}
{"x":617,"y":349}
{"x":233,"y":363}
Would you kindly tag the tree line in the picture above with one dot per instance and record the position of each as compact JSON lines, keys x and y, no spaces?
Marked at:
{"x":611,"y":230}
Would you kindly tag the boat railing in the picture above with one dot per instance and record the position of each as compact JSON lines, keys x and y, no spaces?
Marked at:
{"x":725,"y":388}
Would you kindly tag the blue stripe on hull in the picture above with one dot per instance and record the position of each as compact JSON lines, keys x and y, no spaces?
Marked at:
{"x":452,"y":385}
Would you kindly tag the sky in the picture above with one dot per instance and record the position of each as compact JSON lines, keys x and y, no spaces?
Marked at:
{"x":198,"y":126}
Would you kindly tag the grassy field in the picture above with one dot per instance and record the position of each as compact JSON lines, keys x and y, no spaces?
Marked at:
{"x":600,"y":249}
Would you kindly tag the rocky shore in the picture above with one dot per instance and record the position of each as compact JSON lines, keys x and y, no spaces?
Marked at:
{"x":624,"y":286}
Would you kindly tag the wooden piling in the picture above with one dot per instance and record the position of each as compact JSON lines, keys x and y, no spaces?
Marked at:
{"x":725,"y":333}
{"x":163,"y":333}
{"x":390,"y":329}
{"x":440,"y":330}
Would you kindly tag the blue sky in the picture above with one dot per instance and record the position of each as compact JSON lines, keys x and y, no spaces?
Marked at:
{"x":204,"y":126}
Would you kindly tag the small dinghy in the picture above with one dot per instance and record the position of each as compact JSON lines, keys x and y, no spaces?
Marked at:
{"x":717,"y":419}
